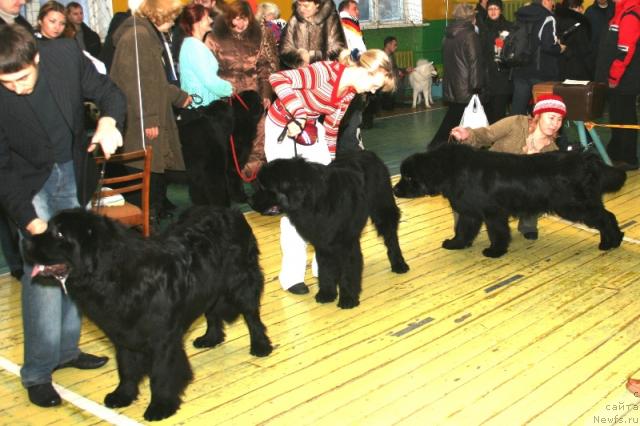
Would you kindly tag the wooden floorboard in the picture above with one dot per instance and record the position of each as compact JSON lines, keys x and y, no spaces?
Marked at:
{"x":545,"y":335}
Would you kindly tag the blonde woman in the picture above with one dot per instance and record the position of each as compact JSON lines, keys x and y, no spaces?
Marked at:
{"x":303,"y":95}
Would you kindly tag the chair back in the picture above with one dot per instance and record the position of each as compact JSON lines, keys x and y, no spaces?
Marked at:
{"x":128,"y":214}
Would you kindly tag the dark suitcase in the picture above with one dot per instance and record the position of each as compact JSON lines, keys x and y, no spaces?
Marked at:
{"x":584,"y":102}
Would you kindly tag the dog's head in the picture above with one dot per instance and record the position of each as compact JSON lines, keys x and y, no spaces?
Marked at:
{"x":70,"y":244}
{"x":285,"y":183}
{"x":425,"y":69}
{"x":426,"y":173}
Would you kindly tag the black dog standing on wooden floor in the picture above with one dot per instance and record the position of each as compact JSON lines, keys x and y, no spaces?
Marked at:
{"x":204,"y":135}
{"x":329,"y":206}
{"x":145,"y":293}
{"x":490,"y":187}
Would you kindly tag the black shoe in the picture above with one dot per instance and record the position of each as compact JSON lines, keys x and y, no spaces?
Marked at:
{"x":44,"y":395}
{"x":300,"y":288}
{"x":17,"y":273}
{"x":533,"y":235}
{"x":85,"y":362}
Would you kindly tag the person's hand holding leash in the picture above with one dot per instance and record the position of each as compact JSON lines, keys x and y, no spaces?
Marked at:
{"x":107,"y":135}
{"x":295,"y":127}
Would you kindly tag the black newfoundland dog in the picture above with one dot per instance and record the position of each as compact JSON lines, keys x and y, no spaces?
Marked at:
{"x":205,"y":137}
{"x":145,"y":293}
{"x":490,"y":187}
{"x":329,"y":207}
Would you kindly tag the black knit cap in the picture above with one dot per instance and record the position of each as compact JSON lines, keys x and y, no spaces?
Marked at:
{"x":494,"y":3}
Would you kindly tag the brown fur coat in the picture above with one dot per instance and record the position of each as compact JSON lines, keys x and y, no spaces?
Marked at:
{"x":321,"y":36}
{"x":247,"y":60}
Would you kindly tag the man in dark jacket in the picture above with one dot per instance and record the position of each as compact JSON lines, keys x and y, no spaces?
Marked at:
{"x":599,"y":14}
{"x":88,"y":39}
{"x":463,"y":76}
{"x":44,"y":166}
{"x":578,"y":59}
{"x":547,"y":49}
{"x":10,"y":13}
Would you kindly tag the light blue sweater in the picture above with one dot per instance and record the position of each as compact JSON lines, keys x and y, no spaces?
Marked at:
{"x":199,"y":73}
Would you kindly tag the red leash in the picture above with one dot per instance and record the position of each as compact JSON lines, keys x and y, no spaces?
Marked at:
{"x":233,"y":146}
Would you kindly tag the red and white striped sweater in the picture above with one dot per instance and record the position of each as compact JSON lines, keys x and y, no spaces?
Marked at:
{"x":309,"y":92}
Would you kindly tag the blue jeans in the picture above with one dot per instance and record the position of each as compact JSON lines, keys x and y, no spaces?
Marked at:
{"x":51,"y":322}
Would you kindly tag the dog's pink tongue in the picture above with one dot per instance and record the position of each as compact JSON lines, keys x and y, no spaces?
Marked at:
{"x":36,"y":270}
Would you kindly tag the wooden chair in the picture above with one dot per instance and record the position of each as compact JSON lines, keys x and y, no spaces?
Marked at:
{"x":128,"y":214}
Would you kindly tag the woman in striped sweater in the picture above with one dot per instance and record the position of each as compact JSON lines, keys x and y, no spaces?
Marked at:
{"x":304,"y":94}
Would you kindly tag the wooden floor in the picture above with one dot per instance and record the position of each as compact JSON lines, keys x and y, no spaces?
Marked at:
{"x":545,"y":335}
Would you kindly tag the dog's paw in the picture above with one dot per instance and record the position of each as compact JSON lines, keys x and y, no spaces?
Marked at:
{"x":208,"y":341}
{"x":159,"y":410}
{"x":261,"y":349}
{"x":118,"y":399}
{"x":400,"y":267}
{"x":323,"y":297}
{"x":493,"y":252}
{"x":454,"y":244}
{"x":611,"y":243}
{"x":347,"y":302}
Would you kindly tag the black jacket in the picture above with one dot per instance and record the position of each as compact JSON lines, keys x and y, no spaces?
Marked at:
{"x":578,"y":59}
{"x":599,"y":19}
{"x":26,"y":153}
{"x":462,"y":58}
{"x":20,"y":21}
{"x":91,"y":40}
{"x":496,"y":80}
{"x":545,"y":63}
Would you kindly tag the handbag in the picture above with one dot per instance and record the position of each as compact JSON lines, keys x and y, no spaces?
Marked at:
{"x":309,"y":134}
{"x":474,"y":116}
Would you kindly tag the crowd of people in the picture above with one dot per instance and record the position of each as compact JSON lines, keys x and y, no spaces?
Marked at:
{"x":565,"y":42}
{"x":313,"y":73}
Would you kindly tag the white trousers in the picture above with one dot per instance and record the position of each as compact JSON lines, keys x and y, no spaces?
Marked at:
{"x":292,"y":245}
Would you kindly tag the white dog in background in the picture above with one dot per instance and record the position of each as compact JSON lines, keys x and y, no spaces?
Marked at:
{"x":420,"y":80}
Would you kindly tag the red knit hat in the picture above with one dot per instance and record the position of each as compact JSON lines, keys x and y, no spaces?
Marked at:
{"x":550,"y":103}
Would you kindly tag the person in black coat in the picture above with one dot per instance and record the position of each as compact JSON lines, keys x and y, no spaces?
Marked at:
{"x":88,"y":39}
{"x":10,"y":14}
{"x":44,"y":167}
{"x":498,"y":87}
{"x":577,"y":61}
{"x":599,"y":14}
{"x":463,"y":70}
{"x":544,"y":66}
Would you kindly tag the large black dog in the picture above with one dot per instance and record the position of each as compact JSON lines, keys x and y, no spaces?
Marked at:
{"x":490,"y":187}
{"x":329,"y":207}
{"x":208,"y":156}
{"x":144,"y":294}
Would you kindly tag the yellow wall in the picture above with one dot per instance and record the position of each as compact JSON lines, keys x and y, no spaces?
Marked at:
{"x":431,"y":9}
{"x":120,"y":6}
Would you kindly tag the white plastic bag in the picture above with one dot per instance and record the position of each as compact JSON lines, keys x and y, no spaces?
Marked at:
{"x":474,"y":115}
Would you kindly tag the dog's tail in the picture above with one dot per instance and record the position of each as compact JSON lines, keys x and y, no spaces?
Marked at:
{"x":609,"y":178}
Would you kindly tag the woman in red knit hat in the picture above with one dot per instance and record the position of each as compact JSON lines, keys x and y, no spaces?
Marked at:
{"x":519,"y":134}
